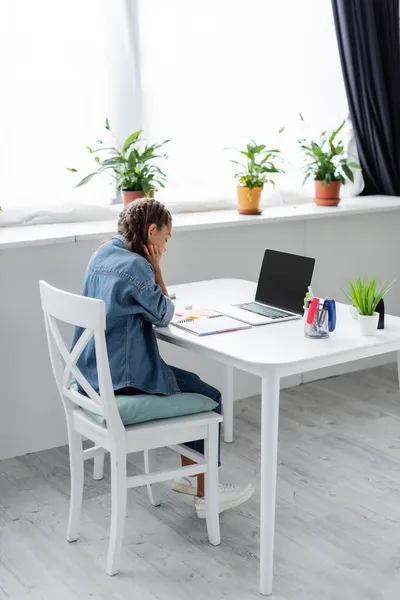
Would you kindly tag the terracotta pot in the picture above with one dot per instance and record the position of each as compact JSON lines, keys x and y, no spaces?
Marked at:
{"x":249,"y":200}
{"x":328,"y":194}
{"x":129,"y":197}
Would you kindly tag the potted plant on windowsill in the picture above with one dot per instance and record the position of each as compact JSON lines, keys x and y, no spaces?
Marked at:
{"x":132,"y":165}
{"x":328,"y":163}
{"x":364,"y":295}
{"x":254,"y":174}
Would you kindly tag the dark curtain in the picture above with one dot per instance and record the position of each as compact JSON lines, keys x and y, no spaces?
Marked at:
{"x":368,"y":37}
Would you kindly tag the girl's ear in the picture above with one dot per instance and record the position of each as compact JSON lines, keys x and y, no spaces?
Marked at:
{"x":151,"y":230}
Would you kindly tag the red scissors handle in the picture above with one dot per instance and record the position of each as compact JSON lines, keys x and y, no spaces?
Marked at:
{"x":312,"y":309}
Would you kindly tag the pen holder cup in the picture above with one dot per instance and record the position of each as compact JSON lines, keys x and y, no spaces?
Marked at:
{"x":319,"y":327}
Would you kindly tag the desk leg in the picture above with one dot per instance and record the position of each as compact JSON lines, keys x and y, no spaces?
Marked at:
{"x":398,"y":365}
{"x":269,"y":453}
{"x":227,"y":403}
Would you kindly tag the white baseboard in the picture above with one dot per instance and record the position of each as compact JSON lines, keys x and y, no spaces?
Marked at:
{"x":356,"y":365}
{"x":248,"y":385}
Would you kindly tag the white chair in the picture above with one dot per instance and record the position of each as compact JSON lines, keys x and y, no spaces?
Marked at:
{"x":115,"y":438}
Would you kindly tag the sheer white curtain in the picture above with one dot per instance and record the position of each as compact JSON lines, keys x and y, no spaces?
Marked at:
{"x":208,"y":74}
{"x":214,"y":74}
{"x":53,"y":100}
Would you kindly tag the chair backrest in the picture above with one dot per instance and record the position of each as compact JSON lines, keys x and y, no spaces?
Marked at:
{"x":90,"y":315}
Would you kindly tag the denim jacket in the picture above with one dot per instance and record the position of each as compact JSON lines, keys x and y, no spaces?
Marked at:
{"x":134,"y":303}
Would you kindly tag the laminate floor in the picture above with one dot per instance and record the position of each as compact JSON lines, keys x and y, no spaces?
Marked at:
{"x":337,"y":521}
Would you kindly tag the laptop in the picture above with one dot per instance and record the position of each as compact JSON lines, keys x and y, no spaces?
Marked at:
{"x":282,"y":285}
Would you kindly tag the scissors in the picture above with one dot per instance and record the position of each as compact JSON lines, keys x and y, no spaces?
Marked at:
{"x":312,"y":309}
{"x":330,"y":306}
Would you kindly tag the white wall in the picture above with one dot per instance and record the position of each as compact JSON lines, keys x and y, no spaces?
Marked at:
{"x":31,"y":416}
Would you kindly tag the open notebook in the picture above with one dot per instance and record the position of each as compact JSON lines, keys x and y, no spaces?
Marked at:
{"x":207,"y":322}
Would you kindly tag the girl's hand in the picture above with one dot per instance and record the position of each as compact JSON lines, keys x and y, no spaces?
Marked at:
{"x":153,"y":254}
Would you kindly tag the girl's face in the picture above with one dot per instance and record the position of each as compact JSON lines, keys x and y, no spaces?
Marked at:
{"x":159,"y":237}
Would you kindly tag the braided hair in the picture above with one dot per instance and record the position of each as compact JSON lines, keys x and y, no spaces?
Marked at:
{"x":136,"y":218}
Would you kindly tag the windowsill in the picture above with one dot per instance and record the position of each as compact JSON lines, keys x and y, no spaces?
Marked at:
{"x":38,"y":235}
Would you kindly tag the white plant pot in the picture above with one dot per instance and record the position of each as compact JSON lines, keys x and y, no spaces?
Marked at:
{"x":353,"y":312}
{"x":368,"y":324}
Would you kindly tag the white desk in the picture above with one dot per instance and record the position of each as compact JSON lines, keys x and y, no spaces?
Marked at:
{"x":272,"y":351}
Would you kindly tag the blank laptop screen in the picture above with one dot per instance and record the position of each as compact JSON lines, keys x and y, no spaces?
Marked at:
{"x":284,"y":280}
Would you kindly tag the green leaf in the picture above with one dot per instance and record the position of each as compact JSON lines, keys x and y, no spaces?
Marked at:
{"x":113,"y":161}
{"x":281,"y":130}
{"x":301,"y":116}
{"x":258,"y":149}
{"x":86,"y":179}
{"x":111,"y":149}
{"x":89,"y":148}
{"x":260,"y":163}
{"x":162,"y":143}
{"x":365,"y":294}
{"x":334,"y":133}
{"x":131,"y":140}
{"x":348,"y":172}
{"x":72,"y":170}
{"x":146,"y":188}
{"x":107,"y":124}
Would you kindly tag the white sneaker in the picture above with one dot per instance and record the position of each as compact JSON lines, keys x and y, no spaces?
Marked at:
{"x":186,"y":485}
{"x":229,"y":497}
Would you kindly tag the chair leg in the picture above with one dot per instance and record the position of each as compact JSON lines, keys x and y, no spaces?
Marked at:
{"x":118,"y":510}
{"x":98,"y":467}
{"x":211,"y":485}
{"x":76,"y":468}
{"x":150,"y":465}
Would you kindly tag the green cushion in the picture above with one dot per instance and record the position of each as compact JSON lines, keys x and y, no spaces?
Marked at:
{"x":148,"y":407}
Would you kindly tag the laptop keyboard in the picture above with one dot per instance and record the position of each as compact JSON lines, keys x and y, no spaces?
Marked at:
{"x":265,"y":311}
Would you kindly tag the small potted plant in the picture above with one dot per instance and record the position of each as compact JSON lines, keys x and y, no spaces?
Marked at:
{"x":133,"y":166}
{"x":364,"y":295}
{"x":254,"y":174}
{"x":328,"y":163}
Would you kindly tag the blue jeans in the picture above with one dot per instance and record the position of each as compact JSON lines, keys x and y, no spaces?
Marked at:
{"x":191,"y":384}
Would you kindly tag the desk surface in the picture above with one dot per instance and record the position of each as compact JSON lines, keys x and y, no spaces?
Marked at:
{"x":280,"y":345}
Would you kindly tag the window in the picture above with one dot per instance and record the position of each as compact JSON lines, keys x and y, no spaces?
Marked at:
{"x":53,"y":101}
{"x":214,"y":74}
{"x":207,"y":74}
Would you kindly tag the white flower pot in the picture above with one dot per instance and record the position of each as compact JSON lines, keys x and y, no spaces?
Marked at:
{"x":353,"y":312}
{"x":368,"y":324}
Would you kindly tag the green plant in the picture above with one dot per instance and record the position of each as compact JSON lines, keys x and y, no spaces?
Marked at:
{"x":365,"y":294}
{"x":307,"y":297}
{"x":132,"y":164}
{"x":259,"y":165}
{"x":327,"y":161}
